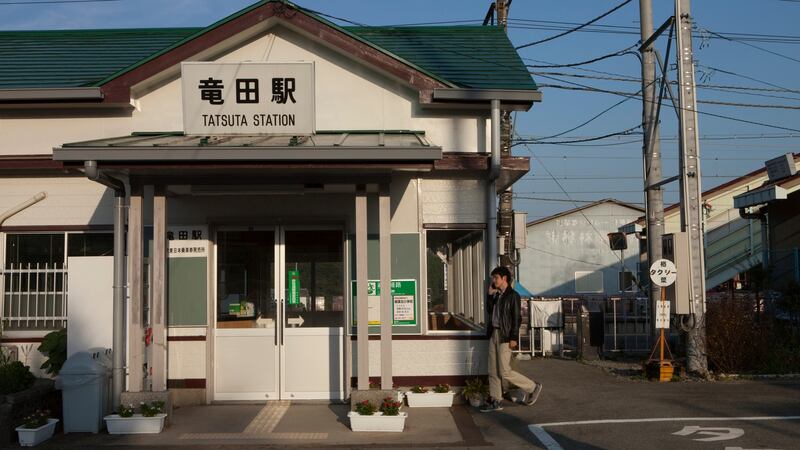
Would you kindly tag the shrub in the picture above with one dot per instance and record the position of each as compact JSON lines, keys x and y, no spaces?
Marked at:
{"x":390,"y":407}
{"x":365,"y":408}
{"x":419,"y":390}
{"x":15,"y":377}
{"x":54,"y":347}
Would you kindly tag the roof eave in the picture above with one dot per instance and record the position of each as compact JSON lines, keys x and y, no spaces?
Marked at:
{"x":516,"y":99}
{"x":51,"y":94}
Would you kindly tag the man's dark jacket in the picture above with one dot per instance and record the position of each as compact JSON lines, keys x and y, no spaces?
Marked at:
{"x":509,"y":303}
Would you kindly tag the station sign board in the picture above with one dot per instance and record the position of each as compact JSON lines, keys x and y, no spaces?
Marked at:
{"x":249,"y":98}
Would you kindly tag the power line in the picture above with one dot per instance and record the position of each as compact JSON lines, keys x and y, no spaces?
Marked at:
{"x":50,"y":2}
{"x":781,"y":55}
{"x":627,"y":132}
{"x":582,"y":63}
{"x":579,"y":27}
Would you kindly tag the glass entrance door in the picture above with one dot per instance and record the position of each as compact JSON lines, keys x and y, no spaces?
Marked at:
{"x":280,"y":314}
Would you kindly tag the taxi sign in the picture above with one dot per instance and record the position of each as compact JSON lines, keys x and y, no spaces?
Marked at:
{"x":663,"y":272}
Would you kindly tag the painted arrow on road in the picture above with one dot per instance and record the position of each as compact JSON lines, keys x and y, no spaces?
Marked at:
{"x":716,"y":434}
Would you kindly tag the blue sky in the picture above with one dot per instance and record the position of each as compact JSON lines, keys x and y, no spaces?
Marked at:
{"x":586,"y":172}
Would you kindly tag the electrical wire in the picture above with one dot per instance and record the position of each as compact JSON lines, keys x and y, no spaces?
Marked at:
{"x":578,"y":28}
{"x":781,"y":55}
{"x":583,"y":63}
{"x":50,"y":2}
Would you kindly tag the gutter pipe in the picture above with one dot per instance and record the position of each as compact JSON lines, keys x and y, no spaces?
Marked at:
{"x":118,"y":340}
{"x":491,"y":189}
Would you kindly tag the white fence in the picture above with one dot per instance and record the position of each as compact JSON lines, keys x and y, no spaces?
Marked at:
{"x":34,"y":296}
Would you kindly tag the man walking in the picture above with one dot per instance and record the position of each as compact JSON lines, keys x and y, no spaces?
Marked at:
{"x":502,"y":327}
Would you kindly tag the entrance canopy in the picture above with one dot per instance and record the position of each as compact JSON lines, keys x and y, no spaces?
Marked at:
{"x":403,"y":146}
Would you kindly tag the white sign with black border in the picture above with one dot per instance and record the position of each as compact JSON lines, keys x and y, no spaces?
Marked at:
{"x":250,"y":98}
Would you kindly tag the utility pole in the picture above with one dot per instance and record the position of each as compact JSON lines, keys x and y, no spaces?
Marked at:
{"x":505,"y":213}
{"x":654,"y":203}
{"x":691,"y":193}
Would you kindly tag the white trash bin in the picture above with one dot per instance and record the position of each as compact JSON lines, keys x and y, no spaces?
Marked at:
{"x":84,"y":381}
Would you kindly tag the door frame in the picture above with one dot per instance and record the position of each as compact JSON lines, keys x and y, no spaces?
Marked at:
{"x":279,"y":283}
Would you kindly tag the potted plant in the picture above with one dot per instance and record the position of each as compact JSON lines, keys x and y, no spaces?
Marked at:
{"x":440,"y":396}
{"x":475,"y":391}
{"x":366,"y":417}
{"x":149,"y":420}
{"x":38,"y":427}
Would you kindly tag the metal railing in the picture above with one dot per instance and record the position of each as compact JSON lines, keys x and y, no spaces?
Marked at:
{"x":34,"y":296}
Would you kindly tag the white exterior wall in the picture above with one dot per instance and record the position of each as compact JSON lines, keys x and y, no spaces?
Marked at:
{"x":349,"y":96}
{"x":453,"y":201}
{"x":70,"y":201}
{"x":186,"y":359}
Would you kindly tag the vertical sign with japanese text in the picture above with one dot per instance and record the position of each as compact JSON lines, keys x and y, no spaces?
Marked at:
{"x":248,"y":98}
{"x":404,"y":302}
{"x":293,"y":281}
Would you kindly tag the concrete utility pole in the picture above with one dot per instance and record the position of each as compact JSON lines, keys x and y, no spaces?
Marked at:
{"x":654,"y":206}
{"x":506,"y":206}
{"x":691,"y":193}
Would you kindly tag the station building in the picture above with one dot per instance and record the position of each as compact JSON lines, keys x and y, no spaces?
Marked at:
{"x":226,"y":206}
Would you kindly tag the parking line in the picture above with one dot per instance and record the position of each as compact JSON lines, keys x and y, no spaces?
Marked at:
{"x":551,"y":444}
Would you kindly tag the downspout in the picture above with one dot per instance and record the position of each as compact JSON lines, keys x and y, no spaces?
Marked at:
{"x":118,"y":340}
{"x":5,"y":216}
{"x":761,"y":217}
{"x":491,"y":190}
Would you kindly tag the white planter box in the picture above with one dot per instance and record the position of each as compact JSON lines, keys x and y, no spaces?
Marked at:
{"x":28,"y":437}
{"x":377,"y":422}
{"x":135,"y":425}
{"x":430,"y":399}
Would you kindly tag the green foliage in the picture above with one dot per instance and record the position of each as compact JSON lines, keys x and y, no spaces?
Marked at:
{"x":419,"y":390}
{"x":125,"y":411}
{"x":152,"y":408}
{"x":475,"y":387}
{"x":365,"y":408}
{"x":54,"y":347}
{"x":37,"y":419}
{"x":441,"y":388}
{"x":15,"y":377}
{"x":390,"y":407}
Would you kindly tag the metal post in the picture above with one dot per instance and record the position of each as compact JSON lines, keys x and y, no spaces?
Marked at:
{"x":691,"y":193}
{"x":654,"y":196}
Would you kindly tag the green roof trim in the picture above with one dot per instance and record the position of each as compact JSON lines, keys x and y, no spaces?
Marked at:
{"x":478,"y":57}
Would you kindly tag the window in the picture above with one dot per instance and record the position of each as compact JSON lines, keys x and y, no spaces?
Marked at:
{"x":90,"y":244}
{"x":34,"y":249}
{"x":588,"y":282}
{"x":455,"y":279}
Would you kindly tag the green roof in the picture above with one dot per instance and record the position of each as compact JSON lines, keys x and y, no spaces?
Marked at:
{"x":75,"y":58}
{"x":479,"y":57}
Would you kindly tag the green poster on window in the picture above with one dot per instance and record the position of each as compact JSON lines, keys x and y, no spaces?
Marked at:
{"x":293,"y":282}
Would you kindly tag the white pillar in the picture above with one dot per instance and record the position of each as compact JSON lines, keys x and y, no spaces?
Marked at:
{"x":159,"y":282}
{"x":136,"y":277}
{"x":362,"y":307}
{"x":384,"y":223}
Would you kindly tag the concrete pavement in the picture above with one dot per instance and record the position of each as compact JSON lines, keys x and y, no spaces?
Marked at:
{"x":581,"y":407}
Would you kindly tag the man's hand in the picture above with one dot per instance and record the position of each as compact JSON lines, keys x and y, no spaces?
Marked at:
{"x":491,"y":290}
{"x":512,"y":344}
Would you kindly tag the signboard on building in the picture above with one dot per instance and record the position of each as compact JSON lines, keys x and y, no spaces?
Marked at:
{"x":188,"y":241}
{"x":248,"y":98}
{"x":293,"y":282}
{"x":404,"y":302}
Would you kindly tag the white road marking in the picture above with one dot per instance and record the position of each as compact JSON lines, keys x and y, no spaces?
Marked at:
{"x":544,"y":438}
{"x":715,"y":434}
{"x":551,"y":444}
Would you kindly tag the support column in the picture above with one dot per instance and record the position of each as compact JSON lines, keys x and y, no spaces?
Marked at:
{"x":118,"y":373}
{"x":159,"y":283}
{"x":362,"y":326}
{"x":136,"y":277}
{"x":384,"y":223}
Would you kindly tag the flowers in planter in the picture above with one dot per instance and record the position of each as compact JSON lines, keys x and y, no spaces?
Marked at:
{"x":442,"y":388}
{"x":152,"y":408}
{"x":37,"y":419}
{"x":365,"y":408}
{"x":390,"y":407}
{"x":125,"y":411}
{"x":419,"y":390}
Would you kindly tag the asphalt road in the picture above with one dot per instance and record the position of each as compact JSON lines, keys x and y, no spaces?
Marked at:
{"x":585,"y":407}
